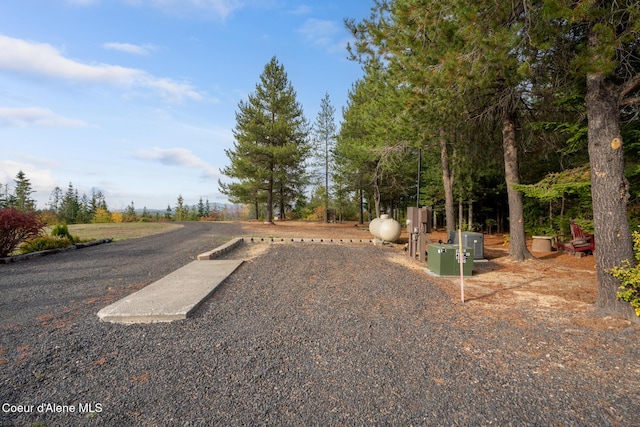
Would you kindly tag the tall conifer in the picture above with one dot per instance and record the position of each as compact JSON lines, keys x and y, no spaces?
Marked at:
{"x":270,"y":146}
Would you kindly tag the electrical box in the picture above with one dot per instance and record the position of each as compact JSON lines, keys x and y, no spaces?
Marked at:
{"x":419,"y":220}
{"x":418,"y":224}
{"x":470,"y":240}
{"x":443,"y":260}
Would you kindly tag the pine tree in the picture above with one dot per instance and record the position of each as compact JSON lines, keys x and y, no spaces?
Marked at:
{"x":600,"y":39}
{"x":69,"y":206}
{"x":324,"y":132}
{"x":202,"y":211}
{"x":22,"y":193}
{"x":5,"y":197}
{"x":181,"y":212}
{"x":456,"y":56}
{"x":270,"y":145}
{"x":55,"y":200}
{"x":130,"y":214}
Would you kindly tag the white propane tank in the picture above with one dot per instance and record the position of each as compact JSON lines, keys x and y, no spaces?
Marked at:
{"x":374,"y":225}
{"x":390,"y":230}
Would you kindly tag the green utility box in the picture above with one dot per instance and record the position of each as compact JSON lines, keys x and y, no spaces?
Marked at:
{"x":443,"y":260}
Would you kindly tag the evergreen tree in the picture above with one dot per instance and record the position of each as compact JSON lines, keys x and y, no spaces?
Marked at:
{"x":601,"y":41}
{"x":98,"y":200}
{"x":181,"y":212}
{"x":55,"y":200}
{"x":270,"y":145}
{"x":324,"y":132}
{"x":69,"y":206}
{"x":130,"y":214}
{"x":86,"y":212}
{"x":5,"y":197}
{"x":145,"y":216}
{"x":202,"y":211}
{"x":469,"y":55}
{"x":22,"y":194}
{"x":193,"y":213}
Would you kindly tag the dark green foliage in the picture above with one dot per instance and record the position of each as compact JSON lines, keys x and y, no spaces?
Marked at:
{"x":62,"y":231}
{"x":20,"y":197}
{"x":324,"y":136}
{"x":270,"y":148}
{"x":22,"y":194}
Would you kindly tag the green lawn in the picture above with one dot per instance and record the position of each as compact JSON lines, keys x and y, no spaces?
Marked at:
{"x":120,"y":231}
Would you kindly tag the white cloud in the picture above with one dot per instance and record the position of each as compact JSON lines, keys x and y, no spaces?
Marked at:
{"x":179,"y":157}
{"x":325,"y":34}
{"x":129,"y":48}
{"x":42,"y":181}
{"x":36,"y":117}
{"x":42,"y":59}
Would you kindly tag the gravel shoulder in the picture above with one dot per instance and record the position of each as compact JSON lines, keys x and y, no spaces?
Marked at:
{"x":300,"y":334}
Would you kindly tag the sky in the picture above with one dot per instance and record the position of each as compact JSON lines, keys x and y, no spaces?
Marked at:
{"x":137,"y":98}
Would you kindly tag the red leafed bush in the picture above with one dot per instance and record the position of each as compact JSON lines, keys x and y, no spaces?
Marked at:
{"x":15,"y":227}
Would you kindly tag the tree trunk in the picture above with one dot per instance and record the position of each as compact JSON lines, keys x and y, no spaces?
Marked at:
{"x":470,"y":219}
{"x":376,"y":196}
{"x":447,"y":179}
{"x":361,"y":204}
{"x":326,"y":183}
{"x":282,"y":208}
{"x":517,"y":240}
{"x":609,"y":191}
{"x":269,"y":218}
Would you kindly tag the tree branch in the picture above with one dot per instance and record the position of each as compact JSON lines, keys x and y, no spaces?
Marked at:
{"x":631,"y":85}
{"x":630,"y":101}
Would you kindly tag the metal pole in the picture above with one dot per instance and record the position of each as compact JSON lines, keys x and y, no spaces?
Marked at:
{"x":419,"y":168}
{"x":461,"y":259}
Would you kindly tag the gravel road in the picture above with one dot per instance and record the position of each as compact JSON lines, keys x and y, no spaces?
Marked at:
{"x":304,"y":334}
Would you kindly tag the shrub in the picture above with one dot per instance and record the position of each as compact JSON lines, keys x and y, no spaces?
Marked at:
{"x":43,"y":243}
{"x":16,"y":227}
{"x":61,"y":230}
{"x":630,"y":277}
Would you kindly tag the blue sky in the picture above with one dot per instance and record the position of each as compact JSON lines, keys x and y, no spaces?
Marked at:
{"x":137,"y":98}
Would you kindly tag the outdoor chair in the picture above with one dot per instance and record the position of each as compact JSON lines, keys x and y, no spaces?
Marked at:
{"x":581,"y":241}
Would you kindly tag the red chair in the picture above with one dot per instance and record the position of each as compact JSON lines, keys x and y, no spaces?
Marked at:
{"x":581,"y":241}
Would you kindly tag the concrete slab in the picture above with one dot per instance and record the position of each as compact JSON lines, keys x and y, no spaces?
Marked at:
{"x":173,"y":297}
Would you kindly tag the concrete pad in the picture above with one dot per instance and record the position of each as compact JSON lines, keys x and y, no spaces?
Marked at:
{"x":173,"y":297}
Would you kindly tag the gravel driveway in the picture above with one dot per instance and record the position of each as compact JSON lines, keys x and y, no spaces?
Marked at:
{"x":304,"y":334}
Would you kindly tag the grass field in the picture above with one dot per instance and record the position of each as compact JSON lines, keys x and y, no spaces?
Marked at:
{"x":120,"y":231}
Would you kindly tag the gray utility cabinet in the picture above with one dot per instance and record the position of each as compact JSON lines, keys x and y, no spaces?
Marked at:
{"x":443,"y":260}
{"x":470,"y":240}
